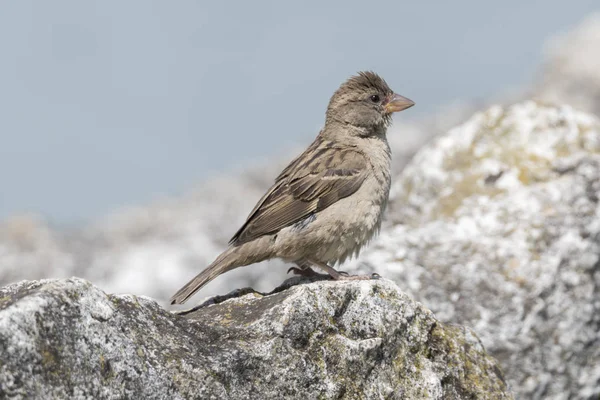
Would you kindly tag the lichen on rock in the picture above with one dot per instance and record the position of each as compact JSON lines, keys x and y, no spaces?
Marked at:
{"x":496,"y":225}
{"x":359,"y":339}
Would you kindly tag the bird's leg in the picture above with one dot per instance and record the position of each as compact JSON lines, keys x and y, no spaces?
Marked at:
{"x":303,"y":269}
{"x":306,"y":272}
{"x":339,"y":275}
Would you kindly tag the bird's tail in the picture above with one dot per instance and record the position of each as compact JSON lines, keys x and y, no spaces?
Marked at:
{"x":234,"y":257}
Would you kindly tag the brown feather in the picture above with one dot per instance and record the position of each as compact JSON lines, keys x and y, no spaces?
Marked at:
{"x":307,"y":185}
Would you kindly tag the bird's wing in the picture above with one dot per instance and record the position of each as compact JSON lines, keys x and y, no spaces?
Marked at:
{"x":322,"y":175}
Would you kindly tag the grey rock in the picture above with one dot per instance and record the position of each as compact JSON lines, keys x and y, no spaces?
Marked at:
{"x":501,"y":237}
{"x":496,"y":226}
{"x":321,"y":340}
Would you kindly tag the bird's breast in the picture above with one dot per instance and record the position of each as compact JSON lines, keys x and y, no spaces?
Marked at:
{"x":342,"y":229}
{"x":354,"y":220}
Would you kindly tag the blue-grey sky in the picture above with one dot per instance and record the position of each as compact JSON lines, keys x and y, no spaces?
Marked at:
{"x":111,"y":103}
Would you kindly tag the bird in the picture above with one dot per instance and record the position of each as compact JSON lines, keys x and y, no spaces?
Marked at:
{"x":329,"y":201}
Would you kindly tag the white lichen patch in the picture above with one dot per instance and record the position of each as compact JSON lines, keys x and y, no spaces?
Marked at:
{"x":355,"y":339}
{"x":496,"y":227}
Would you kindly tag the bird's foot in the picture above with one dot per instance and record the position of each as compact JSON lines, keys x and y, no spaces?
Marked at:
{"x":343,"y":276}
{"x":306,"y":272}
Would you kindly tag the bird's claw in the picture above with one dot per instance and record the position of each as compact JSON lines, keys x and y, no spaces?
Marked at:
{"x":305,"y":272}
{"x":294,"y":270}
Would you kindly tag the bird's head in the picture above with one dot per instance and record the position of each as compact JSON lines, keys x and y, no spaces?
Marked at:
{"x":365,"y":101}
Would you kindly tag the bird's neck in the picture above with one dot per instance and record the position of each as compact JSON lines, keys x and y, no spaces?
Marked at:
{"x":337,"y":129}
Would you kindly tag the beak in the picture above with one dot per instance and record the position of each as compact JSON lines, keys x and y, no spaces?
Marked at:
{"x":395,"y":103}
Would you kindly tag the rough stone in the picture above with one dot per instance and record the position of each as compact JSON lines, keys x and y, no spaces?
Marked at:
{"x":496,"y":226}
{"x":321,"y":340}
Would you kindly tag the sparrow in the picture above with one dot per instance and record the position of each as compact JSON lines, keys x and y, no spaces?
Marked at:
{"x":329,"y":201}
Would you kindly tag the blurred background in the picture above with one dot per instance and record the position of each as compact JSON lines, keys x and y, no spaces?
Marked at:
{"x":136,"y":136}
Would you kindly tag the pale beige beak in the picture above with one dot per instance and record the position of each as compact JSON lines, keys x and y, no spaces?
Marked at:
{"x":397,"y":103}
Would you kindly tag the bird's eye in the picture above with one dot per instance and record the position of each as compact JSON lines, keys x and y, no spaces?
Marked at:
{"x":375,"y":98}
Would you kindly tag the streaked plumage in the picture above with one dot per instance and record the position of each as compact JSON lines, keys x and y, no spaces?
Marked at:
{"x":325,"y":173}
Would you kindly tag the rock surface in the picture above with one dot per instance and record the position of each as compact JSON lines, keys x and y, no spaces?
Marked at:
{"x":361,"y":339}
{"x":505,"y":240}
{"x":497,"y":227}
